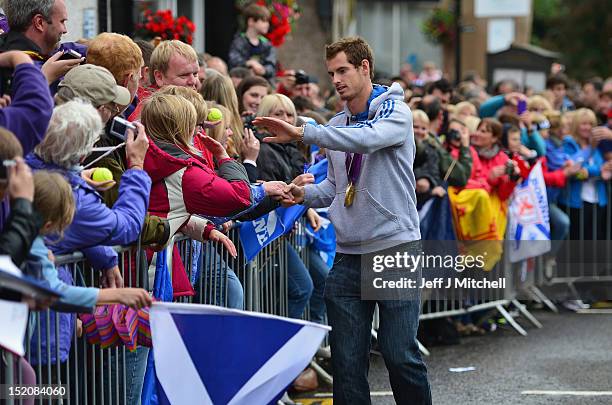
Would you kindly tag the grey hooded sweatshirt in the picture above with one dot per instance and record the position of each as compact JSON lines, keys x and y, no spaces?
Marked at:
{"x":383,"y":213}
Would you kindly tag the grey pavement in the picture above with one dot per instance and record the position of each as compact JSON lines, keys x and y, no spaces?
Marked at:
{"x":572,"y":352}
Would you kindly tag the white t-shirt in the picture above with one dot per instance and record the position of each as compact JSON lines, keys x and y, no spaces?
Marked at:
{"x":589,"y":191}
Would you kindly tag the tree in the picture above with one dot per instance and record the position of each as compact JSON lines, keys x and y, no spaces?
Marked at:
{"x":580,"y":30}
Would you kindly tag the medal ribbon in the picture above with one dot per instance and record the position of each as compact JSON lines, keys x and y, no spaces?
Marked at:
{"x":353,"y":164}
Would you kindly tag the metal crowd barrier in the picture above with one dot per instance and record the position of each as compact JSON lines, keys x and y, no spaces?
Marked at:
{"x":98,"y":376}
{"x":586,"y":260}
{"x":94,"y":375}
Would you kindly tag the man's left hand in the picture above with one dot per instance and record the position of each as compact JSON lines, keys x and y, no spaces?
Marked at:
{"x":282,"y":132}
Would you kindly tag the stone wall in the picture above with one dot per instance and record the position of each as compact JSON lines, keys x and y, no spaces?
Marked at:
{"x":305,"y":49}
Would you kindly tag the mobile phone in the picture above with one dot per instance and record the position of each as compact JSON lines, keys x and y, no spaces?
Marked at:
{"x":521,"y":107}
{"x":70,"y":54}
{"x":119,"y":128}
{"x":4,"y":169}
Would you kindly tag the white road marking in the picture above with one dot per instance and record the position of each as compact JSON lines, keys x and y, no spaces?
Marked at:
{"x":571,"y":393}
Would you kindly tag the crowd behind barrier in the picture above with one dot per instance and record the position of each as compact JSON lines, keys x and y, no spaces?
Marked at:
{"x":192,"y":159}
{"x":97,"y":375}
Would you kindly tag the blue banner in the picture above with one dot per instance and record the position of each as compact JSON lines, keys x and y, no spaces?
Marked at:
{"x":257,"y":234}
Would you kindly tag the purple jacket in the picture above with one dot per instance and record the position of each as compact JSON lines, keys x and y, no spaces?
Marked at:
{"x":28,"y":115}
{"x":96,"y":227}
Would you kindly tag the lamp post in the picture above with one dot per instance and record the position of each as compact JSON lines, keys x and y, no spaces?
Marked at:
{"x":458,"y":30}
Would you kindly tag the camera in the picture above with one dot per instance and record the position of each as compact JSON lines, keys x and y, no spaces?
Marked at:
{"x":70,"y":54}
{"x":119,"y":128}
{"x":248,"y":122}
{"x":453,"y":135}
{"x":301,"y":77}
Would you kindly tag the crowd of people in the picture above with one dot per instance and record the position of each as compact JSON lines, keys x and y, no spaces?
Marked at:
{"x":176,"y":170}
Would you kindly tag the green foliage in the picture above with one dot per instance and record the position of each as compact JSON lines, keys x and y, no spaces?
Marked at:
{"x":580,"y":30}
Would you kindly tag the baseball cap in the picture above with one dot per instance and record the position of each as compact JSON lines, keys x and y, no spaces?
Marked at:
{"x":95,"y":84}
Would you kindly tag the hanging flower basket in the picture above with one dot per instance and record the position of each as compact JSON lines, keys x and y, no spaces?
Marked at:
{"x":439,"y":27}
{"x":163,"y":25}
{"x":283,"y":15}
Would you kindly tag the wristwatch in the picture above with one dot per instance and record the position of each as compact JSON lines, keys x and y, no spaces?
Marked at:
{"x":301,"y":133}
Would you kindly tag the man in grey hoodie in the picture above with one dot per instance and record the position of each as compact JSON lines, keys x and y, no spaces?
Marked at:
{"x":370,"y":191}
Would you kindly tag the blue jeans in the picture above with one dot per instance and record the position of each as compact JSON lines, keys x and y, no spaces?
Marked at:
{"x":299,"y":283}
{"x":318,"y":272}
{"x":351,"y":320}
{"x":559,"y":227}
{"x":213,"y":261}
{"x":135,"y":367}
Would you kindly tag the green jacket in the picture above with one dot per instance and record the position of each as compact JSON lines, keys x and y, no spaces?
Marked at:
{"x":459,"y":172}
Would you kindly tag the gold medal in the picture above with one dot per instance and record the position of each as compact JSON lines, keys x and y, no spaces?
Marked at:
{"x":350,"y":195}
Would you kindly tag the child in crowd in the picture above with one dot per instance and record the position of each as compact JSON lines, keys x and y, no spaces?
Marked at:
{"x":250,"y":48}
{"x":54,"y":200}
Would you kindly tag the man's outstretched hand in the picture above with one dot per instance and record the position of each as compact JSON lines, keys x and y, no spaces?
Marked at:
{"x":295,"y":195}
{"x":281,"y":131}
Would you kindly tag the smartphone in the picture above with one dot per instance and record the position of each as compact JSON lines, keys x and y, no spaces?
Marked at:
{"x":70,"y":54}
{"x":119,"y":128}
{"x":521,"y":107}
{"x":4,"y":170}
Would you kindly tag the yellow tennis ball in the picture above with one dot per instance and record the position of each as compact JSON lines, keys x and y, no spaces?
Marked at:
{"x":214,"y":115}
{"x":102,"y":174}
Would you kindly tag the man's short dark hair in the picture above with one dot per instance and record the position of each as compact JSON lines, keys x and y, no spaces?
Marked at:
{"x":356,"y":50}
{"x":256,"y":12}
{"x":19,"y":13}
{"x":146,"y":48}
{"x":443,"y":85}
{"x":556,"y":79}
{"x":240,"y":72}
{"x":498,"y":86}
{"x":597,"y":83}
{"x":302,"y":104}
{"x":432,"y":108}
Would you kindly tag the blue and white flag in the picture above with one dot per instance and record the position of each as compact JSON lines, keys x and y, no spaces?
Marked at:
{"x":324,"y":240}
{"x":211,"y":355}
{"x":528,"y":218}
{"x":256,"y":235}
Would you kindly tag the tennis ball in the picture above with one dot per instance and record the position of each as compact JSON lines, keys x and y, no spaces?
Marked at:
{"x":102,"y":174}
{"x":214,"y":115}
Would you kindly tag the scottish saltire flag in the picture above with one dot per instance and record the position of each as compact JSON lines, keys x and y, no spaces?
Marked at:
{"x":528,"y":219}
{"x":324,"y":240}
{"x":212,"y":355}
{"x":256,"y":235}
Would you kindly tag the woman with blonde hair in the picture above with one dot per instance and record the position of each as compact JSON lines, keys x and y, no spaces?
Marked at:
{"x":220,"y":89}
{"x":465,"y":109}
{"x":177,"y":169}
{"x":586,"y":197}
{"x":539,"y":104}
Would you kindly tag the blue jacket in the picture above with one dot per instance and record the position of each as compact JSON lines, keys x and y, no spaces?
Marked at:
{"x":96,"y":227}
{"x":81,"y":296}
{"x":555,"y":158}
{"x":592,"y":161}
{"x":61,"y":280}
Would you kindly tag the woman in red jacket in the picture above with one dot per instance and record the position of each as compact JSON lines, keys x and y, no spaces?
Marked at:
{"x":487,"y":141}
{"x":182,"y":182}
